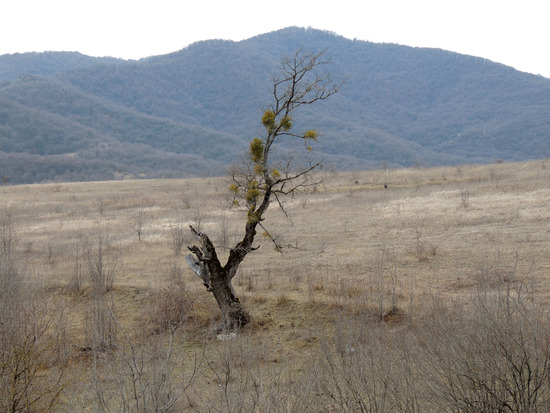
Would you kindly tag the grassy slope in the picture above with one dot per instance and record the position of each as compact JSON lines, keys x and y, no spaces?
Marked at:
{"x":354,"y":247}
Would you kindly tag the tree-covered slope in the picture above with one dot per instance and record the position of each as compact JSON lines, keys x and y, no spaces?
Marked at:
{"x":46,"y":63}
{"x":399,"y":105}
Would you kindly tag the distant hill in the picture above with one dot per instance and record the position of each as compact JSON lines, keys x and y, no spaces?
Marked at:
{"x":65,"y":116}
{"x":47,"y":63}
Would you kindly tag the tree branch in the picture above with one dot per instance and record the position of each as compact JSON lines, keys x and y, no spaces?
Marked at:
{"x":205,"y":260}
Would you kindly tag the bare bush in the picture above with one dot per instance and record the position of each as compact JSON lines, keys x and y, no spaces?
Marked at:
{"x":365,"y":368}
{"x":11,"y":277}
{"x":26,"y":351}
{"x":422,"y":250}
{"x":245,"y":381}
{"x":493,"y":357}
{"x":224,"y":232}
{"x":179,"y":239}
{"x":170,"y":311}
{"x":138,"y":222}
{"x":102,"y":265}
{"x":7,"y":236}
{"x":28,"y":333}
{"x":464,"y":197}
{"x":495,"y":273}
{"x":100,"y":327}
{"x":102,"y":262}
{"x":171,"y":305}
{"x":385,"y":279}
{"x":77,"y":278}
{"x":140,"y":376}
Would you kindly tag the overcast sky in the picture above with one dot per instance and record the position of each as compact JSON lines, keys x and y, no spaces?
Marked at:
{"x":516,"y":33}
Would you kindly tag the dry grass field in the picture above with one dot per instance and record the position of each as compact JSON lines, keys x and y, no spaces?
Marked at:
{"x":398,"y":290}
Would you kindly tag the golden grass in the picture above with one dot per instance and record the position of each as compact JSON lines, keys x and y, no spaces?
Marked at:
{"x":353,"y":246}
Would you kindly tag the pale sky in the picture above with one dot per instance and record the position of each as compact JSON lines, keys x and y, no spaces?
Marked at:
{"x":515,"y":33}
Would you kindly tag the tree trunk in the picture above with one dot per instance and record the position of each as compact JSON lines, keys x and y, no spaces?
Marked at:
{"x":217,"y":279}
{"x":234,"y":315}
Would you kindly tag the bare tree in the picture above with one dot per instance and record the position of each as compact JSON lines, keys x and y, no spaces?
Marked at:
{"x":178,"y":239}
{"x":102,"y":267}
{"x":262,"y":178}
{"x":138,"y":222}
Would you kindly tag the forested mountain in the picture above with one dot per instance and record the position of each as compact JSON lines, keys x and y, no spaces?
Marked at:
{"x":192,"y":112}
{"x":46,"y":63}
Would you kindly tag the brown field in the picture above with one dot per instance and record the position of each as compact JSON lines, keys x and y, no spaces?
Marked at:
{"x":376,"y":291}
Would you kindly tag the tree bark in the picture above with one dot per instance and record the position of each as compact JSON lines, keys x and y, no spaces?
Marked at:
{"x":217,"y":279}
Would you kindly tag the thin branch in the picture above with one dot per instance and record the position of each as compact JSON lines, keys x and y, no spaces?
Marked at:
{"x":278,"y":248}
{"x":281,"y":207}
{"x":283,"y":181}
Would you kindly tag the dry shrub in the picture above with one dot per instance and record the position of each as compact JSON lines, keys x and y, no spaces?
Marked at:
{"x":282,"y":300}
{"x":171,"y":308}
{"x":29,"y":334}
{"x":490,"y":355}
{"x":421,"y":249}
{"x":31,"y":373}
{"x":246,"y":378}
{"x":139,"y":377}
{"x":100,"y":323}
{"x":363,"y":367}
{"x":494,"y":272}
{"x":179,"y":239}
{"x":172,"y":305}
{"x":103,"y":262}
{"x":102,"y":267}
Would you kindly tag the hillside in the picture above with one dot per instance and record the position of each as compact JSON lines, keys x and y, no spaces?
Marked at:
{"x":48,"y":63}
{"x":192,"y":112}
{"x":427,"y":296}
